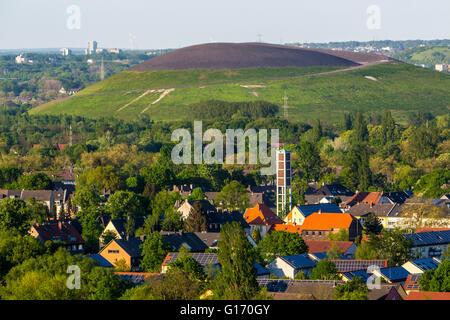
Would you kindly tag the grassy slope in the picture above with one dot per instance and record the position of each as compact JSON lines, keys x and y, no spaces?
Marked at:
{"x":400,"y":87}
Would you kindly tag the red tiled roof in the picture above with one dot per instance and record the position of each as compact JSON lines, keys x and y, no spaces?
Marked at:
{"x":261,"y":214}
{"x":61,"y":230}
{"x":364,"y":197}
{"x":316,"y":246}
{"x":424,"y":229}
{"x":428,"y":295}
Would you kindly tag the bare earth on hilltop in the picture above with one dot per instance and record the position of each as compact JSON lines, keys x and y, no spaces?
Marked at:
{"x":253,"y":55}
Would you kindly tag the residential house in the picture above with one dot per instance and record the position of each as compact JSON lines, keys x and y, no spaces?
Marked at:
{"x":123,"y":250}
{"x":421,"y":265}
{"x":261,"y":217}
{"x":319,"y":225}
{"x":186,"y":207}
{"x":376,"y":198}
{"x":299,"y":213}
{"x":412,"y":283}
{"x":389,"y":214}
{"x":388,"y":291}
{"x":289,"y":266}
{"x":347,"y":265}
{"x":392,"y":274}
{"x":187,"y":240}
{"x":118,"y":226}
{"x":215,"y":221}
{"x":206,"y":260}
{"x":337,"y":191}
{"x":429,"y":244}
{"x":138,"y":278}
{"x":61,"y":231}
{"x":348,"y":248}
{"x":287,"y":289}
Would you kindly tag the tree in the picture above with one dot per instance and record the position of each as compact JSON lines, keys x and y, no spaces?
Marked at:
{"x":237,"y":277}
{"x":341,"y":235}
{"x":196,"y":221}
{"x":15,"y":215}
{"x":123,"y":204}
{"x":108,"y":236}
{"x":354,"y":289}
{"x":197,"y":194}
{"x":172,"y":221}
{"x":256,"y":235}
{"x":372,"y":224}
{"x":446,"y":253}
{"x":308,"y":161}
{"x":325,"y":270}
{"x":392,"y":246}
{"x":281,"y":243}
{"x":154,"y":250}
{"x":35,"y":181}
{"x":177,"y":285}
{"x":233,"y":196}
{"x":334,"y":252}
{"x":437,"y":280}
{"x":38,"y":210}
{"x":190,"y":266}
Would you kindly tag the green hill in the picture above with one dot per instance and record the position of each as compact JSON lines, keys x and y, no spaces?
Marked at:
{"x":313,"y":92}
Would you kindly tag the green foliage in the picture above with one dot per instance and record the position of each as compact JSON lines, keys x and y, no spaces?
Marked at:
{"x":341,"y":235}
{"x":281,"y":243}
{"x":15,"y":215}
{"x":45,"y":277}
{"x":237,"y":277}
{"x":197,"y":194}
{"x":432,"y":185}
{"x":123,"y":204}
{"x":233,"y":196}
{"x":34,"y":181}
{"x":325,"y":270}
{"x":143,"y":292}
{"x":308,"y":161}
{"x":437,"y":280}
{"x":355,"y":289}
{"x":196,"y":221}
{"x":190,"y":266}
{"x":154,"y":250}
{"x":372,"y":224}
{"x":177,"y":285}
{"x":172,"y":221}
{"x":256,"y":235}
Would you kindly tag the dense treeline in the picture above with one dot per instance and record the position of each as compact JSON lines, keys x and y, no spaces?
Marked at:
{"x":216,"y":109}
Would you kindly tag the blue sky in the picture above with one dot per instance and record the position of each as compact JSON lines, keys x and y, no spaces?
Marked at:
{"x":178,"y":23}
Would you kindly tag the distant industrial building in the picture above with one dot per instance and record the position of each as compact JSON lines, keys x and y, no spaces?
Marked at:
{"x":65,"y":51}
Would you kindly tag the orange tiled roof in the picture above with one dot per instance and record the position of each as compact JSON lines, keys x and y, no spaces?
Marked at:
{"x":428,"y":295}
{"x":287,"y":228}
{"x":327,"y":221}
{"x":261,"y":214}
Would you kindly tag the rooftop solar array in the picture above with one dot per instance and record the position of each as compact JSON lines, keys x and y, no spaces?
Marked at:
{"x":136,"y":279}
{"x":360,"y":273}
{"x":281,"y":285}
{"x":429,"y":238}
{"x":427,"y":264}
{"x":354,"y":265}
{"x":299,"y":261}
{"x":202,"y":258}
{"x":412,"y":283}
{"x":395,"y":273}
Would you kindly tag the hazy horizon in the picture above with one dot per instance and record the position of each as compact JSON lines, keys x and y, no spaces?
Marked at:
{"x":140,"y":24}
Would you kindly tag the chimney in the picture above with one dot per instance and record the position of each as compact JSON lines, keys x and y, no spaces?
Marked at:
{"x":59,"y":225}
{"x":320,"y":211}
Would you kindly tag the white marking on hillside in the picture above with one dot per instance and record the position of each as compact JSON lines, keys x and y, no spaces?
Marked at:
{"x":163,"y":94}
{"x":135,"y":99}
{"x":254,"y":93}
{"x":371,"y":78}
{"x":250,"y":86}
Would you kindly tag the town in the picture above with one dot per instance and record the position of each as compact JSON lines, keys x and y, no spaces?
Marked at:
{"x":224,"y":160}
